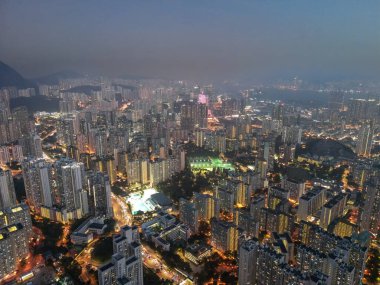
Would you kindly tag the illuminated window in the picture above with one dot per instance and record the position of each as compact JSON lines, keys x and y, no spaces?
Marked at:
{"x":17,"y":209}
{"x":12,"y":229}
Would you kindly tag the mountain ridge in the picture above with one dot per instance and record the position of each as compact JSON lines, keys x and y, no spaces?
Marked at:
{"x":54,"y":78}
{"x":9,"y":77}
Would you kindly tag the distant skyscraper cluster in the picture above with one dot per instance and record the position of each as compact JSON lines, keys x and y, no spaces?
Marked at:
{"x":290,"y":191}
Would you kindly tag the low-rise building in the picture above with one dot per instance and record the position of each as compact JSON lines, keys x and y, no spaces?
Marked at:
{"x":197,"y":252}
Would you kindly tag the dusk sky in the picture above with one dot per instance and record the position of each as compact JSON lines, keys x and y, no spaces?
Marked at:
{"x":219,"y":39}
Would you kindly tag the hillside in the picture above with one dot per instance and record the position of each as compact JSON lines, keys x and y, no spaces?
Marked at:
{"x":54,"y":78}
{"x":11,"y":78}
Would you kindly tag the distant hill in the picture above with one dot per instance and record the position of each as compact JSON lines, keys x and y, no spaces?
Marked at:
{"x":297,"y":97}
{"x":86,"y":89}
{"x":135,"y":77}
{"x":11,"y":78}
{"x":130,"y":87}
{"x":327,"y":147}
{"x":54,"y":78}
{"x":36,"y":103}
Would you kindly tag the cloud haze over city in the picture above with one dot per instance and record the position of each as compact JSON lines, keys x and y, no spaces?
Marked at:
{"x":193,"y":39}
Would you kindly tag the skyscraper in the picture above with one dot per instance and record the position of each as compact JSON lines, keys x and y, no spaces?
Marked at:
{"x":23,"y":123}
{"x":248,"y":254}
{"x":193,"y":115}
{"x":207,"y":206}
{"x":67,"y":129}
{"x":188,"y":214}
{"x":15,"y":215}
{"x":296,"y":188}
{"x":256,"y":205}
{"x":364,"y":143}
{"x":276,"y":195}
{"x":333,"y":209}
{"x":310,"y":202}
{"x":37,"y":175}
{"x":126,"y":266}
{"x":4,"y":155}
{"x":224,"y":235}
{"x":13,"y":247}
{"x":158,"y":171}
{"x":15,"y":226}
{"x":370,"y":216}
{"x":99,"y":194}
{"x":7,"y":190}
{"x":71,"y":186}
{"x":31,"y":146}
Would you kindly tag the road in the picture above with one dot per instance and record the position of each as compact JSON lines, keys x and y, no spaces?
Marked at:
{"x":151,"y":258}
{"x":154,"y":261}
{"x":122,"y":217}
{"x":85,"y":261}
{"x":65,"y":236}
{"x":121,"y":211}
{"x":30,"y":263}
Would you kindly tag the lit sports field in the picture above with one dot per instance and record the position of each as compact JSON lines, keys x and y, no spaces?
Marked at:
{"x":209,"y":164}
{"x":141,"y":201}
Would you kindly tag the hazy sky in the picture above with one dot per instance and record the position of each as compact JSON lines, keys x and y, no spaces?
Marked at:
{"x":192,"y":39}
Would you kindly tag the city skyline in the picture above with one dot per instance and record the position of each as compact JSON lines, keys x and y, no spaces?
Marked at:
{"x":189,"y":142}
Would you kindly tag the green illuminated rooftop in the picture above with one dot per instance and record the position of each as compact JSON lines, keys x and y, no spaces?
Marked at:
{"x":209,"y":163}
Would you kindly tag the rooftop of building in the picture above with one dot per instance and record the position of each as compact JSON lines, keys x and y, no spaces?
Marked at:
{"x":106,"y":266}
{"x":294,"y":180}
{"x":97,"y":226}
{"x":311,"y":193}
{"x":198,"y":249}
{"x":131,"y":260}
{"x":277,"y":188}
{"x":117,"y":256}
{"x":335,"y":200}
{"x":123,"y":281}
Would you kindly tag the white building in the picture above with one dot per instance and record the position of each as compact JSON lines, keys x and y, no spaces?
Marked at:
{"x":126,"y":266}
